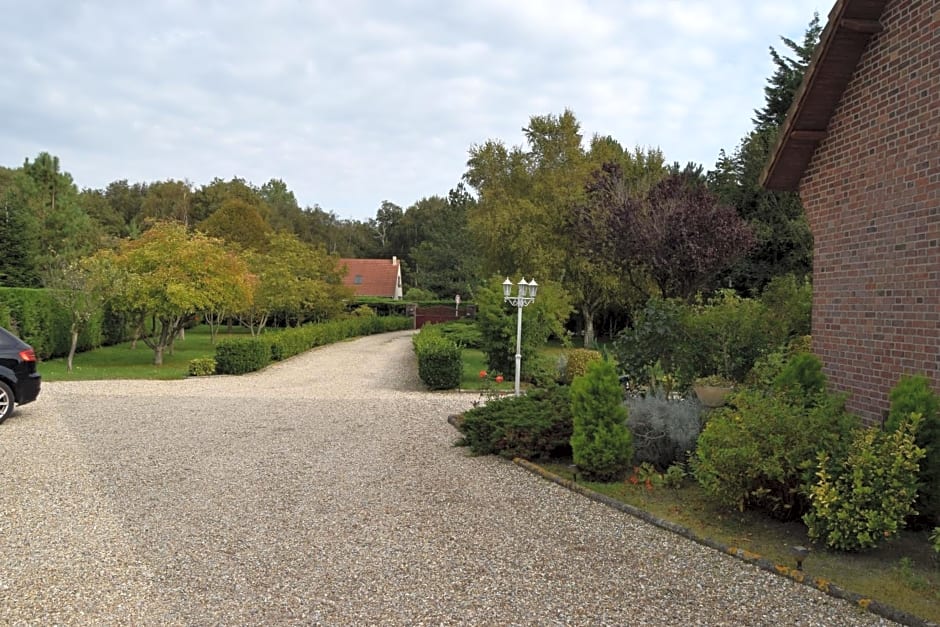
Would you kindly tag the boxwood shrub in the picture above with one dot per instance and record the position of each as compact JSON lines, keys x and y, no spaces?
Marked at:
{"x":241,"y":355}
{"x":439,"y":363}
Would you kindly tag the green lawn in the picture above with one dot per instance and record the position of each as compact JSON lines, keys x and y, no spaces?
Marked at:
{"x":123,"y":362}
{"x":474,"y":361}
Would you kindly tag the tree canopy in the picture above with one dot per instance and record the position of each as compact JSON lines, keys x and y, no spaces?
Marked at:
{"x":169,"y":276}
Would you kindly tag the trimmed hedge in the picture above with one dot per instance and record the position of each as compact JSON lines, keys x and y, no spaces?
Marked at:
{"x":241,"y":355}
{"x":41,"y":321}
{"x":439,"y":363}
{"x":289,"y":342}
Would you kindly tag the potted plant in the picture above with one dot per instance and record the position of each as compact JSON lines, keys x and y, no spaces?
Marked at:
{"x":713,"y":390}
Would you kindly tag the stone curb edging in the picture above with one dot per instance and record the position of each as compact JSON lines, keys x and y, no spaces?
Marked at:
{"x":872,"y":605}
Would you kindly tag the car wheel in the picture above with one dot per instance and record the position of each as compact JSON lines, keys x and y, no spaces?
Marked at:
{"x":6,"y":401}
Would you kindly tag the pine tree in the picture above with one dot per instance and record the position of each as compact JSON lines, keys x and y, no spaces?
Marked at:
{"x":786,"y":79}
{"x":784,"y":242}
{"x":19,"y":232}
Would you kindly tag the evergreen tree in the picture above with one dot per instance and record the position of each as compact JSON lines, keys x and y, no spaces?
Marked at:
{"x":782,"y":85}
{"x":784,"y":242}
{"x":19,"y":231}
{"x":601,"y":443}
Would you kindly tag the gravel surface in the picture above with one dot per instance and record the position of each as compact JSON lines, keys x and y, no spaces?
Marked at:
{"x":326,"y":490}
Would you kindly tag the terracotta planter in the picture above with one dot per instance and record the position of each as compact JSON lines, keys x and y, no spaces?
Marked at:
{"x":712,"y":395}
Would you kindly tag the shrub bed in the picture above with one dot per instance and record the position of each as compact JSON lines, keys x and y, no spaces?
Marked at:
{"x":760,"y":451}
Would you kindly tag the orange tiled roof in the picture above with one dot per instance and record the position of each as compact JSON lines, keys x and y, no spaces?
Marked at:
{"x":371,"y":277}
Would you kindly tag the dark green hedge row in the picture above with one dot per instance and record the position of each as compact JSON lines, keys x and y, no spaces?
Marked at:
{"x":290,"y":342}
{"x":439,"y":363}
{"x":42,"y":322}
{"x":241,"y":355}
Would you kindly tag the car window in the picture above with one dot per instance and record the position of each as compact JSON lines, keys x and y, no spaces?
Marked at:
{"x":7,"y":339}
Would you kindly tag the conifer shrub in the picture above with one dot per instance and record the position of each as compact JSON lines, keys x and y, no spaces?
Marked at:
{"x":601,"y":443}
{"x":913,"y":394}
{"x":535,"y":426}
{"x":801,"y":378}
{"x":768,"y":366}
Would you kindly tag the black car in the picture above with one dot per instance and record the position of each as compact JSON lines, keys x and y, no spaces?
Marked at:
{"x":19,"y":381}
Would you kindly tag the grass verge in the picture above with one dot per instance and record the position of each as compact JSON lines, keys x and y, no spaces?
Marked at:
{"x":123,"y":362}
{"x":904,"y":573}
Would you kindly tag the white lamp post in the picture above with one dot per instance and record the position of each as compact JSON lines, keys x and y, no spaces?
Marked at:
{"x":524,"y":296}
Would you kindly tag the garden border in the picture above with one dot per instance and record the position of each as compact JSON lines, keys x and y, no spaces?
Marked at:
{"x":824,"y":585}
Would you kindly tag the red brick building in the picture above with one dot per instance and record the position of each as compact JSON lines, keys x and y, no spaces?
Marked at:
{"x":861,"y":144}
{"x":373,"y":277}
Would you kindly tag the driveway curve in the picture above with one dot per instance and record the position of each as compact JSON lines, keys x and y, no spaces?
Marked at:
{"x":326,"y":490}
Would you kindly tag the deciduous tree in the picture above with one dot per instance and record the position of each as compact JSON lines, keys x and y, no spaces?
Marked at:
{"x":239,"y":223}
{"x":171,"y":276}
{"x":294,"y":279}
{"x":678,"y":233}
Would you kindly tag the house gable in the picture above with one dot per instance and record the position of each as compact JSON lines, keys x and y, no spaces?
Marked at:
{"x":373,"y":277}
{"x":868,"y":172}
{"x":846,"y":36}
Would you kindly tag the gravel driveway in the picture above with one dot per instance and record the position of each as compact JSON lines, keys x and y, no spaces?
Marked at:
{"x":326,"y":490}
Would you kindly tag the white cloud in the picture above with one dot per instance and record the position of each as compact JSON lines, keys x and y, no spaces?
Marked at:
{"x":358,"y":101}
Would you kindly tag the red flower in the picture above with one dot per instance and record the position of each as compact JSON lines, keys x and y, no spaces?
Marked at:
{"x":483,"y":374}
{"x":649,"y":485}
{"x":499,"y":378}
{"x":633,"y":479}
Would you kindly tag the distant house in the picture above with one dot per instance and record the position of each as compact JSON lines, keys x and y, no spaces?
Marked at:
{"x":861,"y":144}
{"x":373,"y":277}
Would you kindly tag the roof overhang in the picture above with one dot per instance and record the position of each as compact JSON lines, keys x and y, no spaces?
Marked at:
{"x":852,"y":23}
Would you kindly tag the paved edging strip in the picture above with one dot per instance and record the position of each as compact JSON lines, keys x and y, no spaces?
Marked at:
{"x":872,"y":605}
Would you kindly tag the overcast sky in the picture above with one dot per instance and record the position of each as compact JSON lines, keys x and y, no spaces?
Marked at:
{"x":352,"y":102}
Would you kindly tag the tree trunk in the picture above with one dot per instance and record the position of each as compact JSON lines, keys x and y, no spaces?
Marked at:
{"x":72,"y":349}
{"x":158,"y":355}
{"x":588,"y":326}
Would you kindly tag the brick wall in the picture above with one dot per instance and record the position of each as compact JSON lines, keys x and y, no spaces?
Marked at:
{"x":872,"y":198}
